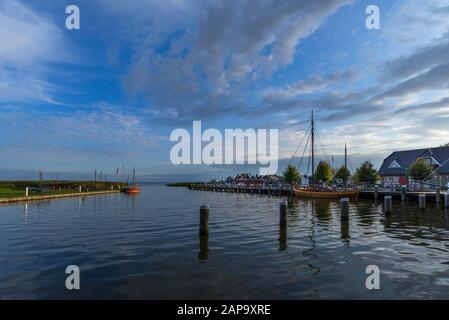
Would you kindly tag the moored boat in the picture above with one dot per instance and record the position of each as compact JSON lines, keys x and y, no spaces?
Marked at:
{"x":325,"y":194}
{"x":321,"y":191}
{"x":134,"y":188}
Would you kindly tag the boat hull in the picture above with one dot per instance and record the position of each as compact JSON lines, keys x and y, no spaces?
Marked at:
{"x":132,"y":190}
{"x":308,"y":193}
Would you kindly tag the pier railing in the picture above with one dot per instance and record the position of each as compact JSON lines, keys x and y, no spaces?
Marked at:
{"x":412,"y":187}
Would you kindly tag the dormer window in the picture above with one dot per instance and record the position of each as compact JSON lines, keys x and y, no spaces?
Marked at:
{"x":394,"y":165}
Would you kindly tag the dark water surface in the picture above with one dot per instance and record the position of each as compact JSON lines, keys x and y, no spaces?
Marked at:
{"x":147,"y":246}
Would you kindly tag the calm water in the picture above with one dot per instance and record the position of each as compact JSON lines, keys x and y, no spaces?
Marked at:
{"x":147,"y":246}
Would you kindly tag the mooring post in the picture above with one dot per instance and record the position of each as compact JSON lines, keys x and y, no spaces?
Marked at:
{"x":283,"y":213}
{"x":376,"y":192}
{"x":438,"y":195}
{"x":26,"y":192}
{"x":422,"y":201}
{"x":344,"y":208}
{"x":446,"y":200}
{"x":388,"y":204}
{"x":404,"y":193}
{"x":204,"y":219}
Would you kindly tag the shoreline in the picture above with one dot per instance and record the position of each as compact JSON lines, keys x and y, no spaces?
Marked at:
{"x":55,"y":196}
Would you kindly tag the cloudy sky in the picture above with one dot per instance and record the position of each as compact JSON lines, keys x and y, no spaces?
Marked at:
{"x":110,"y":93}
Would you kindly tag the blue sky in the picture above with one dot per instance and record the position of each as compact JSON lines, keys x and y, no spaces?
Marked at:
{"x":110,"y":93}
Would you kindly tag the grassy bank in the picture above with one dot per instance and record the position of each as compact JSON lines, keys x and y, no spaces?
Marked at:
{"x":54,"y":195}
{"x":11,"y":189}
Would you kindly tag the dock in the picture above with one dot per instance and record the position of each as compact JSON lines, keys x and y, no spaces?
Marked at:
{"x":287,"y":191}
{"x":267,"y":190}
{"x":55,"y":196}
{"x":397,"y":195}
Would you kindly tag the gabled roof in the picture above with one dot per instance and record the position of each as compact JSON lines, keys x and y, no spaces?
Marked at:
{"x":407,"y":157}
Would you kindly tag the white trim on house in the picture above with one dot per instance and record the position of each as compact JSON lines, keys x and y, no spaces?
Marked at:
{"x":433,"y":161}
{"x":394,"y":165}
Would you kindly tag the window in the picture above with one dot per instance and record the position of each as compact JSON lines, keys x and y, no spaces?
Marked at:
{"x":394,"y":165}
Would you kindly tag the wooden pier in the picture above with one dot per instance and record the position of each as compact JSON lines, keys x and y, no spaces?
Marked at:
{"x":55,"y":196}
{"x":381,"y":193}
{"x":397,"y":195}
{"x":267,"y":190}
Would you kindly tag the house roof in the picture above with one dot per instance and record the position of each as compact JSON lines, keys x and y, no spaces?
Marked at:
{"x":407,"y":157}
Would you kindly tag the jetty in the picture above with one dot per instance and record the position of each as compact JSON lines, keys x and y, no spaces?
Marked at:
{"x":283,"y":190}
{"x":55,"y":196}
{"x":23,"y":191}
{"x":286,"y":190}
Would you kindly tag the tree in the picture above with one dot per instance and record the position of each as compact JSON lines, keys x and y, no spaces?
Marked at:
{"x":291,"y":174}
{"x":419,"y":170}
{"x":366,"y":173}
{"x":342,"y":173}
{"x":446,"y":145}
{"x":323,"y":172}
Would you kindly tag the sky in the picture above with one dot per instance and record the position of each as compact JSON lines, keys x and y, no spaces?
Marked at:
{"x":110,"y":93}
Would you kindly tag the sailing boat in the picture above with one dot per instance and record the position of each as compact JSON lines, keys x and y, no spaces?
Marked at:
{"x":134,"y":188}
{"x":315,"y":190}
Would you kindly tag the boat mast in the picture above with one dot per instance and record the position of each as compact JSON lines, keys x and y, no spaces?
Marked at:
{"x":134,"y":175}
{"x":346,"y":162}
{"x":313,"y":150}
{"x":346,"y":157}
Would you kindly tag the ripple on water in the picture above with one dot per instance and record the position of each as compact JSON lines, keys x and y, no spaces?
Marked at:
{"x":148,"y":246}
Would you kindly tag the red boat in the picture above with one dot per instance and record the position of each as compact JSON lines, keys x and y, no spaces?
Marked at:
{"x":134,"y":188}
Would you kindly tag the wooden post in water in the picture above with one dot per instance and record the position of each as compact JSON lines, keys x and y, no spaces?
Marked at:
{"x":404,"y":193}
{"x":446,"y":200}
{"x":388,"y":204}
{"x":376,"y":192}
{"x":204,"y":219}
{"x":344,"y":208}
{"x":438,"y":195}
{"x":283,"y":213}
{"x":422,"y":201}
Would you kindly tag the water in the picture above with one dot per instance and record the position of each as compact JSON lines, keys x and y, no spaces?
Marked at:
{"x":147,"y":246}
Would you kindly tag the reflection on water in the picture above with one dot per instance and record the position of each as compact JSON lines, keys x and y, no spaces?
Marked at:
{"x":345,"y":230}
{"x":148,"y":246}
{"x":204,"y":247}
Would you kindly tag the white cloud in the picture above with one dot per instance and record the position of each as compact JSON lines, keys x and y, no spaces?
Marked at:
{"x":202,"y":69}
{"x":310,"y":85}
{"x":100,"y":126}
{"x":29,"y":43}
